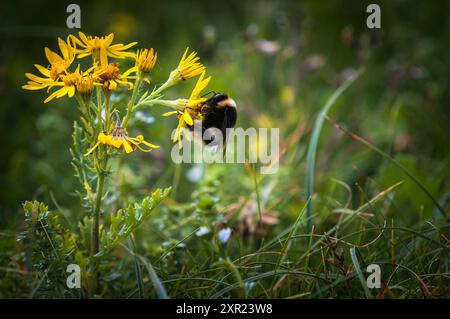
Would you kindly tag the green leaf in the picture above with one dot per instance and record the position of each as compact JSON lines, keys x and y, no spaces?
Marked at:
{"x":125,"y":221}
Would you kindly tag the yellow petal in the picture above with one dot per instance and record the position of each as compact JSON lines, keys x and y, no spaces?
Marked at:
{"x":75,"y":41}
{"x":33,"y":86}
{"x":52,"y":57}
{"x":127,"y":147}
{"x":140,"y":139}
{"x":170,"y":113}
{"x":63,"y":47}
{"x":143,"y":149}
{"x":102,"y":137}
{"x":150,"y":144}
{"x":71,"y":91}
{"x":129,"y":45}
{"x":52,"y":96}
{"x":43,"y":70}
{"x":130,"y":70}
{"x":83,"y":37}
{"x":187,"y":118}
{"x":108,"y":40}
{"x":115,"y":142}
{"x":92,"y":149}
{"x":200,"y":86}
{"x":36,"y":78}
{"x":184,"y":56}
{"x":112,"y":85}
{"x":83,"y":55}
{"x":103,"y":56}
{"x":176,"y":135}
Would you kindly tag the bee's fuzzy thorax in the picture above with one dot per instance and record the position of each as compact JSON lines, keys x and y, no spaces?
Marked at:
{"x":227,"y":102}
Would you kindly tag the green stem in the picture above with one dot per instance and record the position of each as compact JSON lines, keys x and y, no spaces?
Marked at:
{"x":80,"y":100}
{"x":164,"y":86}
{"x":152,"y":99}
{"x":107,"y":96}
{"x":98,"y":203}
{"x":149,"y":102}
{"x":130,"y":108}
{"x":101,"y":169}
{"x":99,"y":106}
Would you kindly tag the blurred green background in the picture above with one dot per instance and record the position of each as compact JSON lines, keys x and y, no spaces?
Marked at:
{"x":279,"y":60}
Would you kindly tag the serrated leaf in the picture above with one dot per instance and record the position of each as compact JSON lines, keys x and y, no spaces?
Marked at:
{"x":125,"y":221}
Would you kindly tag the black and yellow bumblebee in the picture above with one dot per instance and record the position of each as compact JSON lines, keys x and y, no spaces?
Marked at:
{"x":220,"y":112}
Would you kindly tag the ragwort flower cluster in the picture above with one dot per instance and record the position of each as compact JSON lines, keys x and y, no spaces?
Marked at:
{"x":63,"y":76}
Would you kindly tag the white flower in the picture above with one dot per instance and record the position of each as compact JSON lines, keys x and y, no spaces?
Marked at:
{"x":224,"y":235}
{"x":202,"y":231}
{"x":195,"y":173}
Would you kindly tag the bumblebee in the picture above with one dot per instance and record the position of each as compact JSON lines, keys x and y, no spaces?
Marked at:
{"x":219,"y":111}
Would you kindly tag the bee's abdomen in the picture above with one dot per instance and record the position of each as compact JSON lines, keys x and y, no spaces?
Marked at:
{"x":220,"y":118}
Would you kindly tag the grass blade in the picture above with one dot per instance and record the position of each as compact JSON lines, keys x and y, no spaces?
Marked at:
{"x":361,"y":277}
{"x":159,"y":287}
{"x":312,"y":147}
{"x":137,"y":268}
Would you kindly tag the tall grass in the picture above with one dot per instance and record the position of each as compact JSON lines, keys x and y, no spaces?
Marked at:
{"x":313,"y":144}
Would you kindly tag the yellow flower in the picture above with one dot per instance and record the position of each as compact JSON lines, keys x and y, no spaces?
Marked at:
{"x":191,"y":108}
{"x":146,"y":59}
{"x":184,"y":119}
{"x":111,"y":78}
{"x":85,"y":85}
{"x":187,"y":68}
{"x":69,"y":83}
{"x":118,"y":139}
{"x":59,"y":66}
{"x":100,"y":48}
